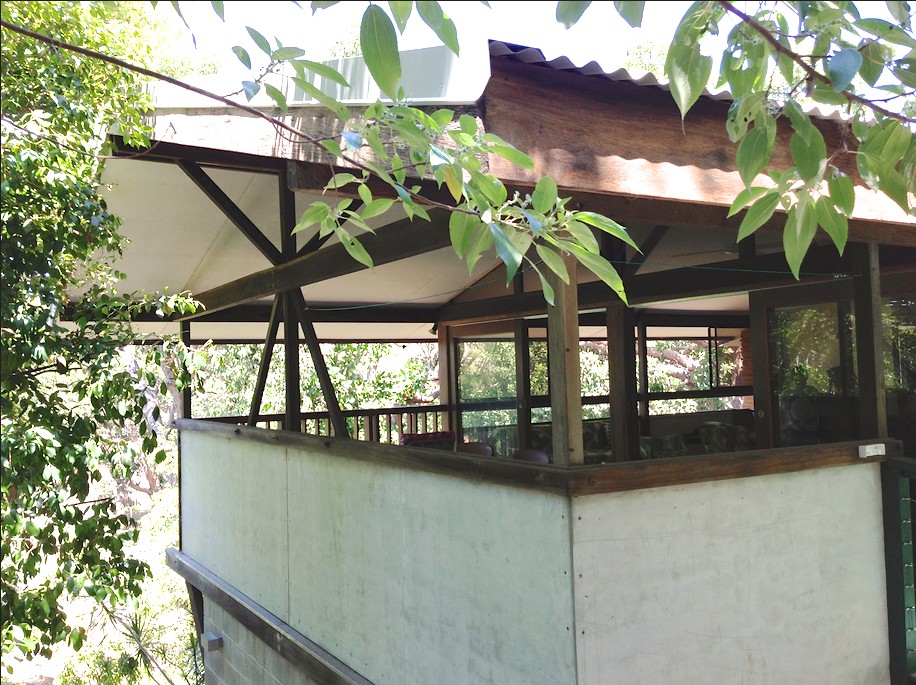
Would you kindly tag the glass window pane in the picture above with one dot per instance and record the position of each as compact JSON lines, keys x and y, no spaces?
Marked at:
{"x":813,"y":374}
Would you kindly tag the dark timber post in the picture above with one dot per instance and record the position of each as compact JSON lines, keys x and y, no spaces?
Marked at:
{"x":869,"y":341}
{"x":292,"y":420}
{"x":621,"y":346}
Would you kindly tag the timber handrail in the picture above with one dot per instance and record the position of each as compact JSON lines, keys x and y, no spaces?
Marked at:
{"x":571,"y":480}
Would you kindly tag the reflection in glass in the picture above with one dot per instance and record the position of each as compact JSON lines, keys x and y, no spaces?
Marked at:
{"x":813,"y":372}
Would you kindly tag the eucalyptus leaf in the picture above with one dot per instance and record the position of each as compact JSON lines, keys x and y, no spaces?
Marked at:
{"x":758,"y":214}
{"x":379,"y":44}
{"x":801,"y":225}
{"x":506,"y":251}
{"x":833,"y":222}
{"x":251,"y":88}
{"x":243,"y":55}
{"x":569,"y":12}
{"x":544,"y":196}
{"x":400,"y":10}
{"x":842,"y":192}
{"x":323,"y":70}
{"x":259,"y":40}
{"x":553,"y":261}
{"x":277,"y":96}
{"x":607,"y":225}
{"x":843,"y":67}
{"x":631,"y":11}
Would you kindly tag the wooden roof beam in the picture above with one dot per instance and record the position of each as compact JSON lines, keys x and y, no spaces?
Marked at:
{"x":400,"y":240}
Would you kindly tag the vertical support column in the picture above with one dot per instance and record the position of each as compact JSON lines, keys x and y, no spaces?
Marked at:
{"x":765,"y":409}
{"x":869,"y":341}
{"x":186,"y":392}
{"x":446,"y":391}
{"x":643,"y":397}
{"x":522,"y":374}
{"x":895,"y":488}
{"x":292,"y":419}
{"x":621,"y":346}
{"x":563,"y":353}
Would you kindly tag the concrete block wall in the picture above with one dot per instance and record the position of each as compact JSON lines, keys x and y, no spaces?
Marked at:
{"x":244,"y":659}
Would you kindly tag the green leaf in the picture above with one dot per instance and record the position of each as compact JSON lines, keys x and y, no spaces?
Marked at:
{"x":506,"y":251}
{"x":631,"y":11}
{"x":339,"y":109}
{"x":744,"y":197}
{"x":843,"y":67}
{"x":400,"y":10}
{"x":243,"y":55}
{"x":281,"y":54}
{"x":333,"y":147}
{"x":549,"y":296}
{"x":810,"y":155}
{"x":553,"y":261}
{"x":833,"y":223}
{"x":607,"y":225}
{"x":468,"y":124}
{"x":758,"y":214}
{"x":217,"y":6}
{"x":251,"y":89}
{"x":443,"y":117}
{"x":316,"y":213}
{"x":886,"y":31}
{"x":259,"y":40}
{"x":900,"y":10}
{"x":544,"y":196}
{"x":339,"y":181}
{"x":491,"y":187}
{"x":873,"y":61}
{"x":570,"y":11}
{"x":431,"y":13}
{"x":320,"y":69}
{"x":601,"y":267}
{"x":276,"y":96}
{"x":322,"y":4}
{"x":365,"y":194}
{"x":354,"y":248}
{"x":379,"y":44}
{"x":353,"y":140}
{"x":583,"y":236}
{"x":453,"y":182}
{"x":511,"y":154}
{"x":753,"y":155}
{"x":688,"y":72}
{"x":842,"y":192}
{"x":801,"y":225}
{"x":461,"y":227}
{"x":376,"y":207}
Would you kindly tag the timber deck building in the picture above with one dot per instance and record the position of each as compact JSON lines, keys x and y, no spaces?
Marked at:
{"x":722,"y":546}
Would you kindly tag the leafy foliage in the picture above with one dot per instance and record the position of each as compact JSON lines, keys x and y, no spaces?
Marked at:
{"x":63,"y":385}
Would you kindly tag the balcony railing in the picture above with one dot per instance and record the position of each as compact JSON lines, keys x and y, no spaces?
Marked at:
{"x":385,"y":425}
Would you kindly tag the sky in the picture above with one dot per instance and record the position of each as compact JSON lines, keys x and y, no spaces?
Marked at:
{"x":600,"y":36}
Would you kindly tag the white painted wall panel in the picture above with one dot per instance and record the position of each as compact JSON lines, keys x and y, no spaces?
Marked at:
{"x":234,"y":519}
{"x":758,"y":581}
{"x":418,"y":578}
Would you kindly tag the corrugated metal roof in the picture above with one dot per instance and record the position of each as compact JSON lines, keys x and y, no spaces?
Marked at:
{"x":529,"y":55}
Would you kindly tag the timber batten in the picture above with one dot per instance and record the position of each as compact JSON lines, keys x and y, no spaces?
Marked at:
{"x":572,"y":480}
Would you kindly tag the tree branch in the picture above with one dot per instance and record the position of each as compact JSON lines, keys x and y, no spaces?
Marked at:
{"x":808,"y":69}
{"x":277,"y":123}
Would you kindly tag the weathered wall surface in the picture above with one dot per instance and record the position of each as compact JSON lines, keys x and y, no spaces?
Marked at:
{"x":405,"y":576}
{"x":758,"y":581}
